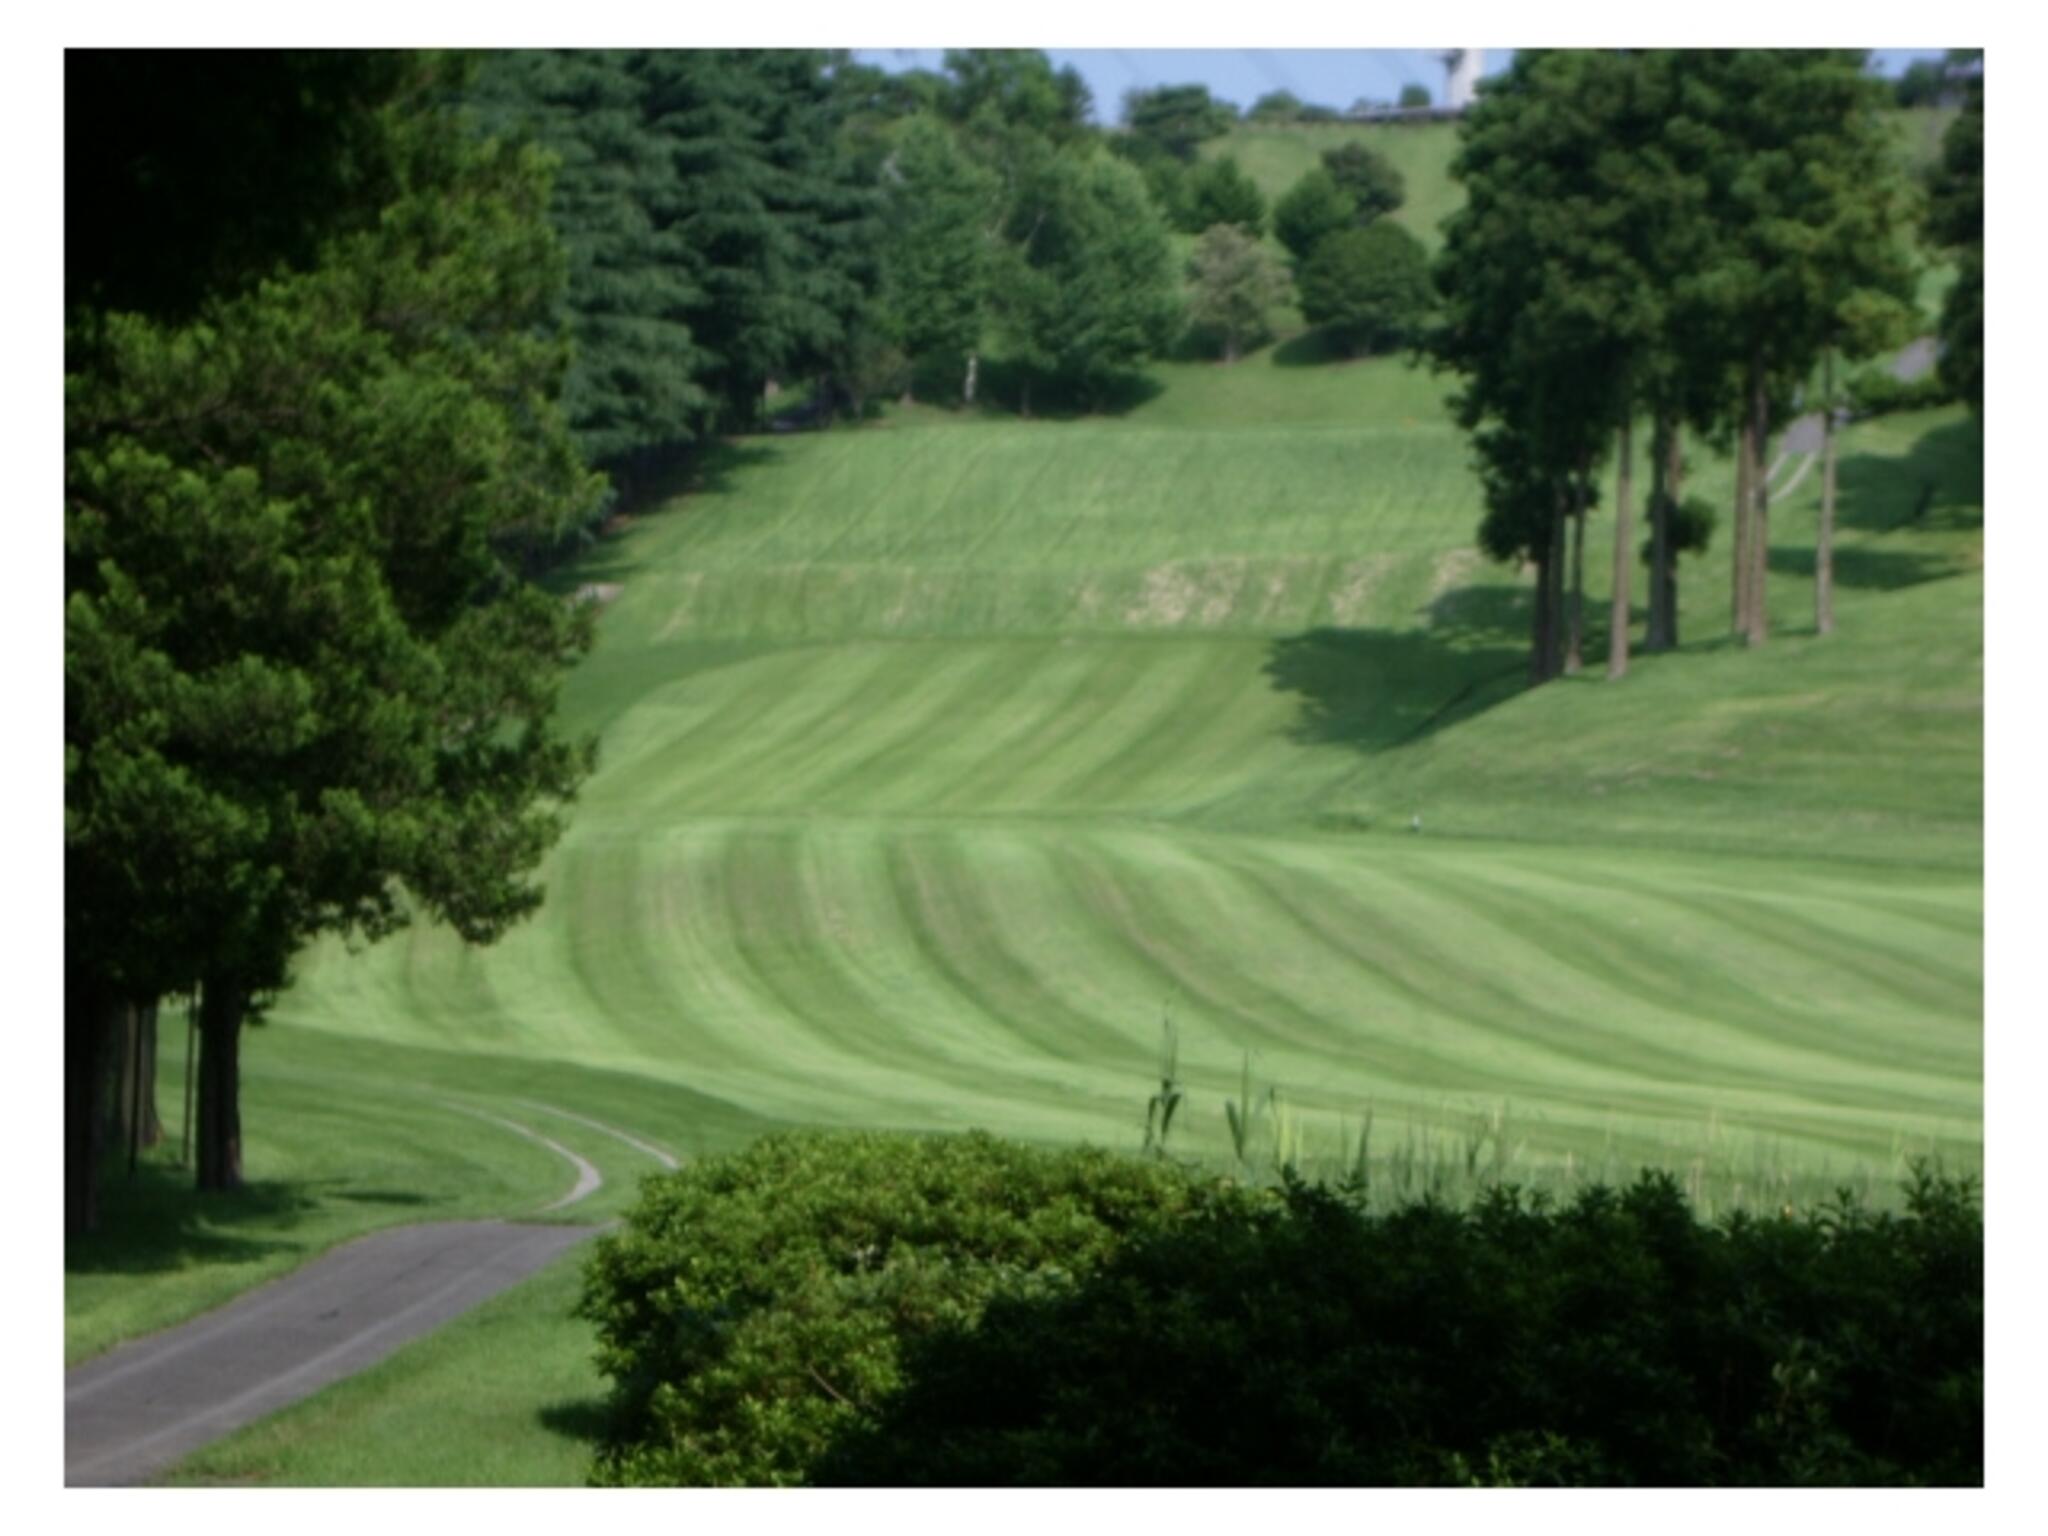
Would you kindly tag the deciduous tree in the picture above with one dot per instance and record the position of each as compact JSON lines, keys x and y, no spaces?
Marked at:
{"x":1233,"y":287}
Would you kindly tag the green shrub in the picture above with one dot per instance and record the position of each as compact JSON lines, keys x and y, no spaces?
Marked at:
{"x":1370,"y":286}
{"x":755,"y":1309}
{"x":1221,"y":193}
{"x":1311,"y":210}
{"x":877,"y":1310}
{"x":1875,"y":392}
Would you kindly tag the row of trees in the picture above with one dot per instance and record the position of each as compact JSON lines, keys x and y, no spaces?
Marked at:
{"x":308,"y":430}
{"x":1682,"y":237}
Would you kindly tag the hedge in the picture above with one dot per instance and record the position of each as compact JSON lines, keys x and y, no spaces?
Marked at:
{"x":869,"y":1309}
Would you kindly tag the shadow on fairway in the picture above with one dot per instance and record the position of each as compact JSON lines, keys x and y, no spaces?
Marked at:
{"x":157,"y":1221}
{"x":1879,"y":569}
{"x":1003,"y":383}
{"x":586,"y":1419}
{"x":1936,"y":485}
{"x":656,"y":494}
{"x":1376,"y":689}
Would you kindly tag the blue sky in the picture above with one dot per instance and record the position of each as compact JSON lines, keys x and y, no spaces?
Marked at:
{"x":1333,"y":77}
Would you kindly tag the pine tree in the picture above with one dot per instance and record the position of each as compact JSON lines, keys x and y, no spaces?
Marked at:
{"x":305,"y":691}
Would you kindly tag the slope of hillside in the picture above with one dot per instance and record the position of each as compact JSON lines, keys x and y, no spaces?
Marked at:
{"x":941,"y":756}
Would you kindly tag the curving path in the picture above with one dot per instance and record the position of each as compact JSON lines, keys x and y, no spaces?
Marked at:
{"x":138,"y":1409}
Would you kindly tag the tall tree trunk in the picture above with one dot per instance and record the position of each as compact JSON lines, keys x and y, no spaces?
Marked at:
{"x":967,"y":387}
{"x":1553,"y":650}
{"x":1539,"y":623}
{"x":1574,"y":655}
{"x":1760,"y":521}
{"x":1674,"y":497}
{"x":1657,"y":637}
{"x":1624,"y":552}
{"x":1745,"y":472}
{"x":221,"y":1006}
{"x":1824,"y":544}
{"x":89,"y":1040}
{"x":132,"y":1121}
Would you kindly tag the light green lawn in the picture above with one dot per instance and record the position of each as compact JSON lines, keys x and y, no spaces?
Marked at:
{"x":940,"y":758}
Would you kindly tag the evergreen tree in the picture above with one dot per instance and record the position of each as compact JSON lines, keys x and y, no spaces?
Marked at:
{"x":1803,"y":196}
{"x":304,"y":691}
{"x":633,"y":394}
{"x":1176,"y":119}
{"x":1955,"y":223}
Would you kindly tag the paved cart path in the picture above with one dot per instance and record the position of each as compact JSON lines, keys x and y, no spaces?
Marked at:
{"x":133,"y":1412}
{"x":140,"y":1408}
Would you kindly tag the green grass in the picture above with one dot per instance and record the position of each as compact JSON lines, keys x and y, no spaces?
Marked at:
{"x":939,"y":758}
{"x":343,"y":1137}
{"x":1277,"y":157}
{"x":504,"y":1396}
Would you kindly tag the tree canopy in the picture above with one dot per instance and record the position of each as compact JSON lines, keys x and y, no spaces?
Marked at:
{"x":1370,"y":286}
{"x":306,"y":689}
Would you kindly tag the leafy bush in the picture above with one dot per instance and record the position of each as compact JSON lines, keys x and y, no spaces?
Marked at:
{"x":1372,"y":181}
{"x":757,"y":1308}
{"x":1689,"y":531}
{"x":1311,"y":210}
{"x":1221,"y":193}
{"x":880,"y":1310}
{"x":1370,"y":286}
{"x":1876,"y":392}
{"x":1233,"y":288}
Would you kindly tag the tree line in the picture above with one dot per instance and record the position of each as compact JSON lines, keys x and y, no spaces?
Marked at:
{"x":1692,"y":239}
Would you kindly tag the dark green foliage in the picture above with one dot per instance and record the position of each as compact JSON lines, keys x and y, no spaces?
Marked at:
{"x":1962,"y":335}
{"x":1924,"y":83}
{"x":1221,"y":193}
{"x":1690,"y":530}
{"x":758,"y":1309}
{"x":1955,"y":220}
{"x":940,"y":216}
{"x":190,"y":173}
{"x":1175,"y":119}
{"x":1016,"y":90}
{"x":1312,"y":208}
{"x":959,"y":1311}
{"x":1368,"y":178}
{"x":634,"y":386}
{"x":1876,"y":392}
{"x":305,"y":688}
{"x":1370,"y":286}
{"x":1414,"y":95}
{"x":719,"y":235}
{"x":1085,"y":291}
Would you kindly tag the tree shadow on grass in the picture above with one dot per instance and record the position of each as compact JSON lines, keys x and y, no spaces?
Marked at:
{"x":157,"y":1221}
{"x":1003,"y":386}
{"x":589,"y":1419}
{"x":1377,"y":689}
{"x":1877,"y":569}
{"x":1937,"y":485}
{"x":662,"y":494}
